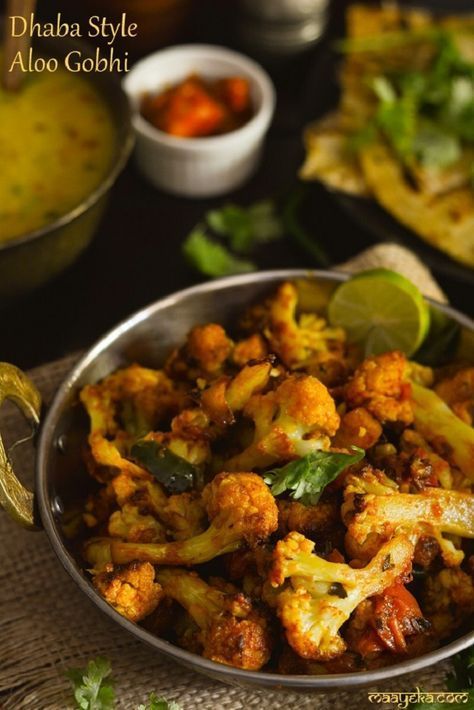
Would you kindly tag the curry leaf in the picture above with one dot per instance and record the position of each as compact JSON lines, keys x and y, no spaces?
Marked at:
{"x":173,"y":472}
{"x":307,"y":477}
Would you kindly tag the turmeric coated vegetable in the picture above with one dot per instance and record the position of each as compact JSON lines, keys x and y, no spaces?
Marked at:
{"x":374,"y":510}
{"x":232,"y":631}
{"x":292,"y":421}
{"x":322,"y":502}
{"x":131,"y":590}
{"x":323,"y":594}
{"x":380,"y":385}
{"x":448,"y":434}
{"x":241,"y":510}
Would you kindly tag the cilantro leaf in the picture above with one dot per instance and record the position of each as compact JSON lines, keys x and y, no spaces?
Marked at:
{"x":434,"y":147}
{"x":308,"y":476}
{"x":246,"y":228}
{"x":211,"y":258}
{"x":159,"y":703}
{"x":91,"y":692}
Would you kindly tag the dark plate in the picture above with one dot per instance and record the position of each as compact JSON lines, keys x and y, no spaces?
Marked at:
{"x":321,"y":97}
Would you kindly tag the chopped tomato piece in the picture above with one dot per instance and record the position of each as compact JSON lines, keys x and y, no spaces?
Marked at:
{"x":396,"y":615}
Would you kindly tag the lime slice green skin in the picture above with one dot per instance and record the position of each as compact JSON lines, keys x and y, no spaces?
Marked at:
{"x":381,"y":310}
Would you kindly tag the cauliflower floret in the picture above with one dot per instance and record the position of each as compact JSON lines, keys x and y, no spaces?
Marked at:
{"x":458,"y":392}
{"x":124,"y":405}
{"x":309,"y":520}
{"x":144,"y":492}
{"x":437,"y":470}
{"x":300,"y":342}
{"x":185,"y":515}
{"x":228,"y":396}
{"x":374,"y":510}
{"x":292,"y":421}
{"x":358,"y":428}
{"x":204,"y":354}
{"x":231,"y":630}
{"x":252,"y":348}
{"x":323,"y":594}
{"x":242,"y":512}
{"x":380,"y":385}
{"x":131,"y":525}
{"x":193,"y":430}
{"x":130,"y":589}
{"x":451,"y":437}
{"x":448,"y":600}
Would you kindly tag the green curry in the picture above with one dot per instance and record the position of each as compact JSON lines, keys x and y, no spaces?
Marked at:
{"x":56,"y":145}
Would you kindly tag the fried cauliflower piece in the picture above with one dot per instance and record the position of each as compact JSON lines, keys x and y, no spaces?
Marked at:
{"x":227,"y":396}
{"x":322,"y":595}
{"x":193,"y":430}
{"x":181,"y":515}
{"x":449,"y":435}
{"x":252,"y":348}
{"x":184,"y":515}
{"x":232,"y":631}
{"x":242,"y":512}
{"x":130,"y":589}
{"x":374,"y":510}
{"x":412,"y":443}
{"x":309,"y":520}
{"x":204,"y":354}
{"x":124,"y":405}
{"x":358,"y":428}
{"x":301,"y":341}
{"x":298,"y":417}
{"x":458,"y":393}
{"x":448,"y":600}
{"x":131,"y":525}
{"x":380,"y":385}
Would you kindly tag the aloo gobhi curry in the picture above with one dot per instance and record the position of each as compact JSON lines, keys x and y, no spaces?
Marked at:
{"x":276,"y":500}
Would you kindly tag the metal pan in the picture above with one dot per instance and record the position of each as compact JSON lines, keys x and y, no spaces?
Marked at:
{"x":147,"y":337}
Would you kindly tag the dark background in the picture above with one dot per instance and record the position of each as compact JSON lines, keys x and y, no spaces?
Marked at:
{"x":135,"y":257}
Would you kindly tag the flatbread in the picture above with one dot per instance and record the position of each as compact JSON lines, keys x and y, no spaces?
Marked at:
{"x":445,"y":221}
{"x":329,"y":160}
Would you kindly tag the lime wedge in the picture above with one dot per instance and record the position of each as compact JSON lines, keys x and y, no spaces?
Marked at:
{"x":381,"y":310}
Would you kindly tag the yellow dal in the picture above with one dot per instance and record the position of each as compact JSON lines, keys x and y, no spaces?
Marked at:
{"x":56,"y":145}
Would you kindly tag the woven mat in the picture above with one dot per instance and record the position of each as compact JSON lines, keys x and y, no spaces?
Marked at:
{"x":47,"y":625}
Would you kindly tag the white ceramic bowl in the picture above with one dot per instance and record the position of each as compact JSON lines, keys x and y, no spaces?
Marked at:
{"x":199,"y":167}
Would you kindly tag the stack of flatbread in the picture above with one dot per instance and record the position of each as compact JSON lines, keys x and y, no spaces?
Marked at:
{"x":436,"y":203}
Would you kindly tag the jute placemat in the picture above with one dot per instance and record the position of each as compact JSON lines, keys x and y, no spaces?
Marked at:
{"x":47,"y":625}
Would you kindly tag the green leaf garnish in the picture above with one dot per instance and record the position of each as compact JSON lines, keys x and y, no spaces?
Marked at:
{"x":428,"y":116}
{"x":159,"y":703}
{"x":308,"y":476}
{"x":246,"y":228}
{"x":173,"y":472}
{"x":435,"y":147}
{"x":211,"y":258}
{"x":93,"y":686}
